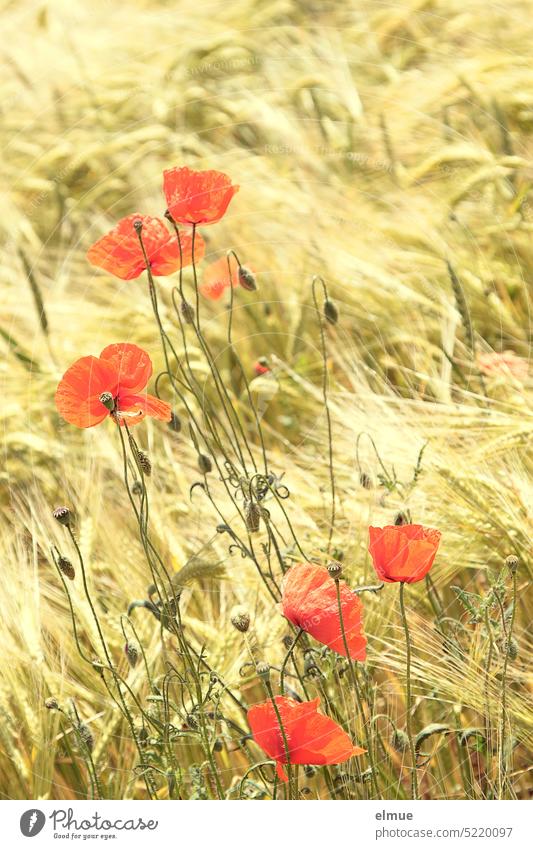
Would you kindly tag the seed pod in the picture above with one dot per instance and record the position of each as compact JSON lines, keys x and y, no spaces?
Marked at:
{"x":512,"y":563}
{"x":401,"y":518}
{"x":247,"y":279}
{"x":62,"y":515}
{"x":399,"y":740}
{"x":187,"y":311}
{"x":51,"y":703}
{"x":131,"y":650}
{"x":204,"y":464}
{"x":145,"y":463}
{"x":66,"y":567}
{"x":263,"y":670}
{"x":174,"y":423}
{"x":334,"y":570}
{"x":331,"y":312}
{"x":86,"y":735}
{"x":108,"y":401}
{"x":252,"y":517}
{"x":240,"y":619}
{"x":137,"y":488}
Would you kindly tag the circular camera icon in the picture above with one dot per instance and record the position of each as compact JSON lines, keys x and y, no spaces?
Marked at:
{"x":32,"y":822}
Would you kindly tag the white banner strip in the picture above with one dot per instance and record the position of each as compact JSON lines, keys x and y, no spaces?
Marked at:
{"x":260,"y":825}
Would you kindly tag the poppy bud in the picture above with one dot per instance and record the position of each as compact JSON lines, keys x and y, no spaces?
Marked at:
{"x":240,"y":620}
{"x":365,"y":480}
{"x":331,"y":312}
{"x":192,"y":722}
{"x":137,"y":488}
{"x":62,"y":515}
{"x":204,"y":464}
{"x":335,"y":570}
{"x":138,"y":225}
{"x":98,"y":665}
{"x":86,"y":735}
{"x":218,"y":745}
{"x":247,"y":279}
{"x":108,"y":401}
{"x":143,"y":735}
{"x":309,"y":770}
{"x":144,"y":463}
{"x":51,"y":703}
{"x":288,"y":641}
{"x":252,"y":517}
{"x":263,"y":670}
{"x":174,"y":423}
{"x":399,"y":740}
{"x":401,"y":518}
{"x":187,"y":312}
{"x":512,"y":563}
{"x":131,"y":650}
{"x":66,"y":567}
{"x":512,"y":648}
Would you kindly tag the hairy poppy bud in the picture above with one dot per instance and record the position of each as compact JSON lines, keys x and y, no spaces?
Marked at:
{"x":144,"y":463}
{"x":86,"y":735}
{"x":399,"y":740}
{"x":252,"y":517}
{"x":187,"y":312}
{"x":204,"y":464}
{"x":62,"y":515}
{"x":263,"y":670}
{"x":331,"y":312}
{"x":108,"y":401}
{"x":52,"y":703}
{"x":401,"y":518}
{"x":288,"y":641}
{"x":247,"y":279}
{"x":137,"y":488}
{"x":131,"y":650}
{"x":218,"y":745}
{"x":66,"y":567}
{"x":174,"y":423}
{"x":512,"y":563}
{"x":511,"y":646}
{"x":143,"y":735}
{"x":335,"y":570}
{"x":138,"y":225}
{"x":365,"y":480}
{"x":240,"y":619}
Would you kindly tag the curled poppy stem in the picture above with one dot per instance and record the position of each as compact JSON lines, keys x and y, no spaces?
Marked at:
{"x":358,"y":694}
{"x":286,"y":660}
{"x":408,"y":700}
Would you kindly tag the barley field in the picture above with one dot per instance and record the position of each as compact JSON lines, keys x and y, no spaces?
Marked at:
{"x":384,"y":156}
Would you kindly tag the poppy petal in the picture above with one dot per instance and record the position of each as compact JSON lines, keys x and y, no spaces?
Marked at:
{"x":197,"y":197}
{"x":148,"y":405}
{"x":132,"y":366}
{"x":78,"y":394}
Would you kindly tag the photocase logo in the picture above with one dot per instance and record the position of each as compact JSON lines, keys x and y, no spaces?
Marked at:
{"x":32,"y":822}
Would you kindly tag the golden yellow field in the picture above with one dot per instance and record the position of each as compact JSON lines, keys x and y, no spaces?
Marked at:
{"x":387,"y":148}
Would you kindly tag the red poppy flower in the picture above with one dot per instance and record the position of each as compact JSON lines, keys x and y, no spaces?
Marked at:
{"x":261,"y":366}
{"x":309,"y":601}
{"x":403,"y":552}
{"x":119,"y":375}
{"x":197,"y":197}
{"x":120,"y":253}
{"x":312,"y":738}
{"x":216,"y":277}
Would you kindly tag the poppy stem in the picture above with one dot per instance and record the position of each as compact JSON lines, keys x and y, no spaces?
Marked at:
{"x":268,"y":686}
{"x":325,"y":387}
{"x":358,"y":695}
{"x":414,"y":777}
{"x":286,"y":660}
{"x":504,"y":718}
